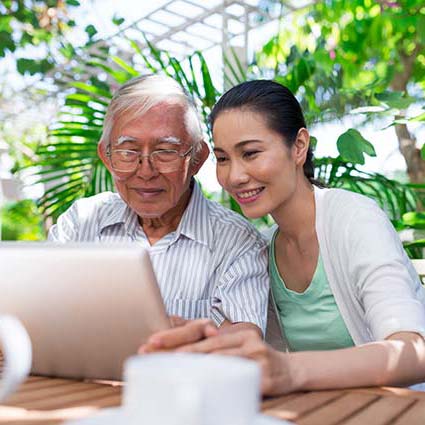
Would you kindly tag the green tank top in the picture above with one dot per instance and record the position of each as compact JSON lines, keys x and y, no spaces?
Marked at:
{"x":311,"y":320}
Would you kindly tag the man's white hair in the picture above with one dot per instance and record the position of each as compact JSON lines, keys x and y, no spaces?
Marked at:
{"x":137,"y":96}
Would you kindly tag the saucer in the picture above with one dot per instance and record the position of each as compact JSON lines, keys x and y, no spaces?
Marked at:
{"x":115,"y":415}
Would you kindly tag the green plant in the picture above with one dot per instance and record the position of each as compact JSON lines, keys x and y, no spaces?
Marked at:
{"x":38,"y":24}
{"x":21,"y":221}
{"x":357,"y":56}
{"x":68,"y":163}
{"x":394,"y":197}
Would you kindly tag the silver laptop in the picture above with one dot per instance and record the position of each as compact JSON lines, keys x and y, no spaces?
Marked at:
{"x":86,"y":307}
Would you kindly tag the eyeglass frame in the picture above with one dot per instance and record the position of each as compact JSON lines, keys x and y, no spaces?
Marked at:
{"x":141,"y":155}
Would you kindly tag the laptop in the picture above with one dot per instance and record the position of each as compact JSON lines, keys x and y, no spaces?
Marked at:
{"x":86,"y":307}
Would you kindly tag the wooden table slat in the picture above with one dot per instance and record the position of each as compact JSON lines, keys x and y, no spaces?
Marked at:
{"x":340,"y":409}
{"x":20,"y":416}
{"x":270,"y":403}
{"x":49,"y":392}
{"x":81,"y":397}
{"x":38,"y":385}
{"x":295,"y":407}
{"x":414,"y":416}
{"x":34,"y":421}
{"x":383,"y":411}
{"x":113,"y":400}
{"x":39,"y":421}
{"x":38,"y":378}
{"x":391,"y":391}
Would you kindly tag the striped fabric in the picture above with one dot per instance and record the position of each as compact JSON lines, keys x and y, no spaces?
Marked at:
{"x":214,"y":265}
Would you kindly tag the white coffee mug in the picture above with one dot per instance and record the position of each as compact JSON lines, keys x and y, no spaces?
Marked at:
{"x":190,"y":389}
{"x":15,"y":345}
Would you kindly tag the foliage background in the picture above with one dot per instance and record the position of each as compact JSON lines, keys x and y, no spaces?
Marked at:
{"x":339,"y":57}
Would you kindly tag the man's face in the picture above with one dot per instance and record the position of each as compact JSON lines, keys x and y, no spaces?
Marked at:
{"x":149,"y":192}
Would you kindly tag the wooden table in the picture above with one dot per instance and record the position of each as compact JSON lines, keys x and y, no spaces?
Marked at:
{"x":49,"y":401}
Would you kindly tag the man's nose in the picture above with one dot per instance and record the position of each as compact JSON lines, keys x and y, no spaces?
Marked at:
{"x":145,"y":168}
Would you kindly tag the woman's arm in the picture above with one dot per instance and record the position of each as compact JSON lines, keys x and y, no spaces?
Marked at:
{"x":399,"y":360}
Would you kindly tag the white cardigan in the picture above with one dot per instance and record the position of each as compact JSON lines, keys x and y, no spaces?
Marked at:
{"x":374,"y":283}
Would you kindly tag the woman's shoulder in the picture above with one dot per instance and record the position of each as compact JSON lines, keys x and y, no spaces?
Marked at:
{"x":339,"y":209}
{"x":341,"y":201}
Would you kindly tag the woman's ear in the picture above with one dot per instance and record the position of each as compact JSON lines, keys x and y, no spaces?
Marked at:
{"x":200,"y":158}
{"x":301,"y":145}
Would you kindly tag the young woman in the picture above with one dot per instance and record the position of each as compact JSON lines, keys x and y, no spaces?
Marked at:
{"x":347,"y":308}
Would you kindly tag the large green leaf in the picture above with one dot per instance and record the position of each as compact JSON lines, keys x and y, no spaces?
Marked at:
{"x":237,"y":73}
{"x":6,"y":43}
{"x":352,"y":147}
{"x":414,"y":220}
{"x":33,"y":66}
{"x":395,"y":99}
{"x":210,"y":92}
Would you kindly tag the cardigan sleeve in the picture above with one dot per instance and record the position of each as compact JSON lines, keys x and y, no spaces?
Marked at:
{"x":385,"y":282}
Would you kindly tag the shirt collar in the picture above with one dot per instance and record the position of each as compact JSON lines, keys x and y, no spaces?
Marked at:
{"x":195,"y":222}
{"x":118,"y":212}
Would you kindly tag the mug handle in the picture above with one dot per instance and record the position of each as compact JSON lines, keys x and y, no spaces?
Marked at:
{"x":17,"y":356}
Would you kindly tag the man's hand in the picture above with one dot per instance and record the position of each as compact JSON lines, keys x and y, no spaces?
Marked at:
{"x":190,"y":332}
{"x":177,"y":321}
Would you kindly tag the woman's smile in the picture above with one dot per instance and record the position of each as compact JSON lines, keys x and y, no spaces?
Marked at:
{"x":247,"y":196}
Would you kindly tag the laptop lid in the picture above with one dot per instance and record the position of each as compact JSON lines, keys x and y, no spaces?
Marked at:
{"x":86,"y":307}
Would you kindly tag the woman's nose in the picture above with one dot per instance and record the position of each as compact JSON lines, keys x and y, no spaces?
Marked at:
{"x":237,"y":174}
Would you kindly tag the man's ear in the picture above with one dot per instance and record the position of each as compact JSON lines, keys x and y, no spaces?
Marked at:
{"x":200,"y":158}
{"x":301,"y":145}
{"x":101,"y":151}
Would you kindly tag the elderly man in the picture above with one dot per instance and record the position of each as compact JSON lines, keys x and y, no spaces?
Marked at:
{"x":209,"y":262}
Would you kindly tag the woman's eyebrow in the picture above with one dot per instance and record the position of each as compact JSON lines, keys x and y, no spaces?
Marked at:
{"x":239,"y":145}
{"x":246,"y":142}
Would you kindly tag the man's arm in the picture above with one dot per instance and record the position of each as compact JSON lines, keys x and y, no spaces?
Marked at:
{"x":66,"y":228}
{"x":228,"y":327}
{"x":242,"y":288}
{"x":241,"y":295}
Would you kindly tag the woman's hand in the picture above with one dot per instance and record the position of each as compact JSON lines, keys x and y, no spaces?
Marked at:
{"x":202,"y":336}
{"x":276,"y":375}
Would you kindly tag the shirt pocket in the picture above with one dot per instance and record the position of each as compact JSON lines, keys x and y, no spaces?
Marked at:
{"x":189,"y":309}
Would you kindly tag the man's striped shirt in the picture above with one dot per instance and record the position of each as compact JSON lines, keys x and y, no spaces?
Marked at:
{"x":214,"y":265}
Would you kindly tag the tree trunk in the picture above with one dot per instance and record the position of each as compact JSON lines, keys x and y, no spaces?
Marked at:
{"x":406,"y":141}
{"x":412,"y":155}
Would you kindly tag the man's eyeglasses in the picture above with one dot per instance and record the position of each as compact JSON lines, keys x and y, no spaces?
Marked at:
{"x":164,"y":160}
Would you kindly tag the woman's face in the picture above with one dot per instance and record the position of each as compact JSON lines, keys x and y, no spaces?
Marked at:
{"x":253,"y":163}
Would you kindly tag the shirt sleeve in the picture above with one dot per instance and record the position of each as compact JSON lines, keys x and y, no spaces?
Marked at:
{"x":66,"y":228}
{"x":242,"y":291}
{"x":385,"y":281}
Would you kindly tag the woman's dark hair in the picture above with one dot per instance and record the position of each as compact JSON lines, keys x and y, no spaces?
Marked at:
{"x":276,"y":103}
